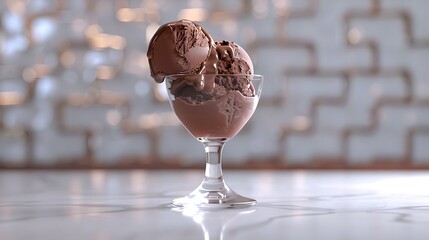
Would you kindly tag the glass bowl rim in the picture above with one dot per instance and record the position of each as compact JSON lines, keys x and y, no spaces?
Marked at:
{"x":258,"y":76}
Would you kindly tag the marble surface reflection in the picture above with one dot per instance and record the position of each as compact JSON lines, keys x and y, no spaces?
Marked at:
{"x":291,"y":205}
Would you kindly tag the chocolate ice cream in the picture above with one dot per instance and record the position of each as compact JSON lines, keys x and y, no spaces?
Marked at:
{"x":178,"y":47}
{"x":219,"y":110}
{"x":183,"y":47}
{"x":232,"y":59}
{"x":211,"y":82}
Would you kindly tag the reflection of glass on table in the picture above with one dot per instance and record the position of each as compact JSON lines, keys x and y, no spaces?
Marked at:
{"x":214,"y":223}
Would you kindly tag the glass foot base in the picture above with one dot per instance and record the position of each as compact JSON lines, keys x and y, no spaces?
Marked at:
{"x":212,"y":199}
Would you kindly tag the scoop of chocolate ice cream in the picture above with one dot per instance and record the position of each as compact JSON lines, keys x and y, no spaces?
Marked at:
{"x":232,"y":59}
{"x":183,"y":47}
{"x":178,"y":48}
{"x":232,"y":69}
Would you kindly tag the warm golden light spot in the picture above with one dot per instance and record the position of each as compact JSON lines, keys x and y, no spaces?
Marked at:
{"x":105,"y":72}
{"x":41,"y":69}
{"x":282,"y":7}
{"x":193,"y":14}
{"x":131,"y":14}
{"x":149,"y":121}
{"x":260,"y":9}
{"x":354,"y":36}
{"x":11,"y":98}
{"x":29,"y":75}
{"x":113,"y":117}
{"x":67,"y":58}
{"x":79,"y":99}
{"x":17,"y":7}
{"x":126,"y":15}
{"x":93,"y":30}
{"x":101,"y":41}
{"x":117,"y":42}
{"x":300,"y":123}
{"x":229,"y":27}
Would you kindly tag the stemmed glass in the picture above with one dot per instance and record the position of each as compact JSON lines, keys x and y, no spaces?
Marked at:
{"x":213,"y":108}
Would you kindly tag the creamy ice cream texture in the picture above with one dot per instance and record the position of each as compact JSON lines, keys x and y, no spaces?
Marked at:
{"x":213,"y":115}
{"x":183,"y":47}
{"x":209,"y":103}
{"x":178,"y":47}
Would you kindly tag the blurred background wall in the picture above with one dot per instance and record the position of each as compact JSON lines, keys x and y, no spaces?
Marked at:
{"x":346,"y":84}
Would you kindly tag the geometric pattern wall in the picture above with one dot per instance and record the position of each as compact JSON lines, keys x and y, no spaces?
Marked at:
{"x":346,"y":84}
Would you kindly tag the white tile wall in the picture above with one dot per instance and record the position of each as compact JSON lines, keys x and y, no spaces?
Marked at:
{"x":345,"y":81}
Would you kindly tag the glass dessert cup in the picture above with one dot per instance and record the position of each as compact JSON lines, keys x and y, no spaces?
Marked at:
{"x":213,"y":108}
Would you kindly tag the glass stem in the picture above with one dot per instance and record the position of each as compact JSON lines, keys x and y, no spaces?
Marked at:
{"x":213,"y":179}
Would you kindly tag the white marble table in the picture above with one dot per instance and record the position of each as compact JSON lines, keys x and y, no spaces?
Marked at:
{"x":102,"y":205}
